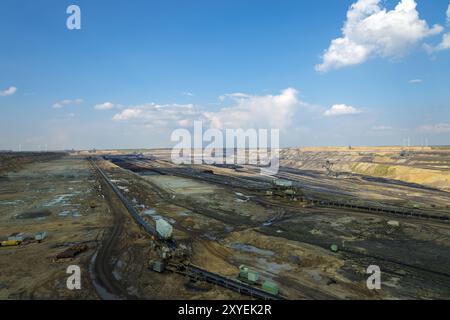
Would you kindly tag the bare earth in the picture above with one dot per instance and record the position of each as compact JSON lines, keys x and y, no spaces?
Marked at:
{"x":227,"y":218}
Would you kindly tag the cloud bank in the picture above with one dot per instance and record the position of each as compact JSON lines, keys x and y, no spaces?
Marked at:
{"x":157,"y":115}
{"x":439,"y":128}
{"x":246,"y":111}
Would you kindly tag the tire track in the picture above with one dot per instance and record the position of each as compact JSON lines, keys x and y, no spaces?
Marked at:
{"x":106,"y":285}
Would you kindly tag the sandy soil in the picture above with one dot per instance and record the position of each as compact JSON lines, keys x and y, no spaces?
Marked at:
{"x":226,"y":226}
{"x":427,"y":166}
{"x":65,"y":189}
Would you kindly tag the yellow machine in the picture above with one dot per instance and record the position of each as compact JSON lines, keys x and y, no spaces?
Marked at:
{"x":10,"y":243}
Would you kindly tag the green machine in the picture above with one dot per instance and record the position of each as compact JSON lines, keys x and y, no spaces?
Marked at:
{"x":270,"y":287}
{"x":248,"y":275}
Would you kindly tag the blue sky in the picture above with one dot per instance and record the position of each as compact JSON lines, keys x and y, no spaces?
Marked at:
{"x":139,"y":69}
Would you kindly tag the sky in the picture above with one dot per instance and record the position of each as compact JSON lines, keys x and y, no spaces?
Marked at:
{"x":323,"y":72}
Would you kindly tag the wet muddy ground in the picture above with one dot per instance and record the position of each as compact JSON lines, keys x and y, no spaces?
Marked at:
{"x":53,"y":196}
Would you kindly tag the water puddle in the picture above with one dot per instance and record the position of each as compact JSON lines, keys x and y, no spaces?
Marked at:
{"x":67,"y":213}
{"x":124,"y":189}
{"x":60,"y":200}
{"x":12,"y":203}
{"x":184,"y":214}
{"x":38,"y":214}
{"x":101,"y":291}
{"x":273,"y":267}
{"x":251,"y":249}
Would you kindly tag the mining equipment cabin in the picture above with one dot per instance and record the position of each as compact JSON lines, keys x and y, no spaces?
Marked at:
{"x":286,"y":189}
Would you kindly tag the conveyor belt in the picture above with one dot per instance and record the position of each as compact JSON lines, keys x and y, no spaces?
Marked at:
{"x":402,"y":212}
{"x":189,"y":270}
{"x":197,"y":273}
{"x":136,"y":216}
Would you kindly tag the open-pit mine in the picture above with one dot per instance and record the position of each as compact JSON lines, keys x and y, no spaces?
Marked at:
{"x":140,"y":227}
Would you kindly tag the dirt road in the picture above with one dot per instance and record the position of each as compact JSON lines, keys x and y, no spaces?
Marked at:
{"x":106,"y":285}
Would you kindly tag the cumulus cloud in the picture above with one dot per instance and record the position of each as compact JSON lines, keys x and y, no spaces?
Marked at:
{"x":245,"y":111}
{"x":156,"y":115}
{"x":8,"y":92}
{"x":104,"y":106}
{"x":439,"y":128}
{"x":448,"y":14}
{"x":445,"y":43}
{"x":341,"y":110}
{"x":252,"y":111}
{"x":371,"y":30}
{"x":67,"y":102}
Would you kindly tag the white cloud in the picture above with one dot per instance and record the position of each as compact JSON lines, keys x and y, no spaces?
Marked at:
{"x":67,"y":102}
{"x":381,"y":128}
{"x":155,"y":115}
{"x":371,"y":30}
{"x":445,"y":43}
{"x":129,"y":114}
{"x":237,"y":95}
{"x":415,"y":81}
{"x":341,"y":110}
{"x":104,"y":106}
{"x":251,"y":111}
{"x":448,"y":14}
{"x":188,"y":94}
{"x":8,"y":92}
{"x":435,"y":128}
{"x":185,"y":123}
{"x":246,"y":111}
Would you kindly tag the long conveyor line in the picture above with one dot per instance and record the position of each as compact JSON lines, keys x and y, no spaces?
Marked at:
{"x":190,"y":270}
